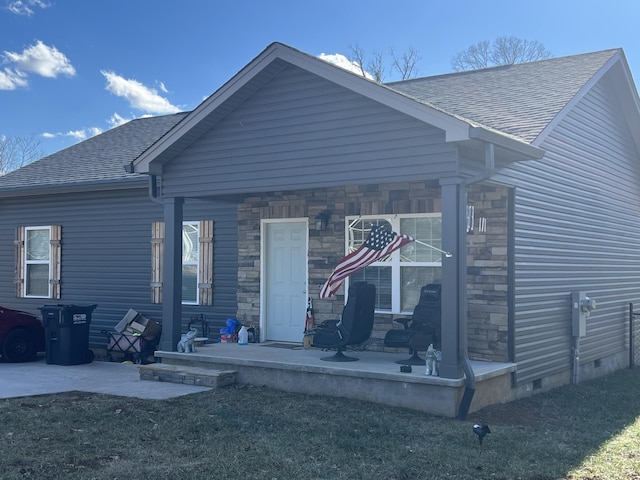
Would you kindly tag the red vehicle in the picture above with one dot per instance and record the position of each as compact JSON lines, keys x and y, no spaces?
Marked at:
{"x":21,"y":335}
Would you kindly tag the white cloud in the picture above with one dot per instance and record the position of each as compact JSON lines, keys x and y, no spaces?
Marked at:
{"x":116,"y":120}
{"x":25,"y":7}
{"x":42,"y":60}
{"x":10,"y":79}
{"x":138,"y":95}
{"x":77,"y":135}
{"x":83,"y":133}
{"x":343,"y":62}
{"x":93,"y":131}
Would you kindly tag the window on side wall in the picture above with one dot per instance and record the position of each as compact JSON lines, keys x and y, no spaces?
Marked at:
{"x":38,"y":261}
{"x":399,"y":277}
{"x":197,"y":262}
{"x":190,"y":261}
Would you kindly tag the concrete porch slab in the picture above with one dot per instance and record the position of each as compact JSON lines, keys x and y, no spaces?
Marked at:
{"x":375,"y":377}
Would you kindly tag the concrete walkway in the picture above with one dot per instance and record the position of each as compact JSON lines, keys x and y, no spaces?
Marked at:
{"x":39,"y":378}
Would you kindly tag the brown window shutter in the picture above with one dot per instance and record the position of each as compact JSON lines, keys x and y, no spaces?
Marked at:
{"x":19,"y":263}
{"x":157,"y":254}
{"x":206,"y":262}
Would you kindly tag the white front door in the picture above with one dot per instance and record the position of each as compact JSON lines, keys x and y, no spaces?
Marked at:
{"x":284,"y":277}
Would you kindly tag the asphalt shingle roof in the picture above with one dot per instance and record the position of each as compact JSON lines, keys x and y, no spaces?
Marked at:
{"x":98,"y":159}
{"x":519,"y":100}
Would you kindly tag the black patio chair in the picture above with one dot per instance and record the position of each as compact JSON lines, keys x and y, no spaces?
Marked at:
{"x":422,"y":329}
{"x":355,"y":324}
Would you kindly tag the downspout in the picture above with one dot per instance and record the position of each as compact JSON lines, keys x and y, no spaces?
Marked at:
{"x":153,"y":189}
{"x":469,"y":375}
{"x":153,"y":184}
{"x":632,"y":342}
{"x":575,"y":376}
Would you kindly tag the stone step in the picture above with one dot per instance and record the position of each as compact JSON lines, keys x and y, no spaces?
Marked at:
{"x":203,"y":377}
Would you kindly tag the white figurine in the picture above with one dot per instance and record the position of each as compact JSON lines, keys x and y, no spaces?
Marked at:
{"x":186,"y":344}
{"x":433,"y":360}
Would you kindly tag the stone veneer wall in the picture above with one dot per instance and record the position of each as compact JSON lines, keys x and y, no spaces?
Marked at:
{"x":487,"y":269}
{"x":487,"y":302}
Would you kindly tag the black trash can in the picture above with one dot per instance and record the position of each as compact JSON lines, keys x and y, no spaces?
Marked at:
{"x":66,"y":329}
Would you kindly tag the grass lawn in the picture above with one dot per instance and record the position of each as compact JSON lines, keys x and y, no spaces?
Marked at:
{"x":579,"y":432}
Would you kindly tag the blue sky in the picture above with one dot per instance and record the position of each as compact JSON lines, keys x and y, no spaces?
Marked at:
{"x":72,"y":68}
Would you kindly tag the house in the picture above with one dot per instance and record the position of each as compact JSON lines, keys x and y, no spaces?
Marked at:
{"x":527,"y":176}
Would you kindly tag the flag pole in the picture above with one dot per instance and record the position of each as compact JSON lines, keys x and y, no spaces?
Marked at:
{"x":446,"y":254}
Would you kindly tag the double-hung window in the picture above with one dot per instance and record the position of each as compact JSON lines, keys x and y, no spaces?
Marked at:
{"x":400,"y":276}
{"x":38,"y":261}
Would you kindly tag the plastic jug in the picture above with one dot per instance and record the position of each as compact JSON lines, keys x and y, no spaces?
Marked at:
{"x":243,"y":336}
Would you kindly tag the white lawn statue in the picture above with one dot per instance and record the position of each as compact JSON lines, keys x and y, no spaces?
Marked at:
{"x":433,"y":359}
{"x":186,"y":344}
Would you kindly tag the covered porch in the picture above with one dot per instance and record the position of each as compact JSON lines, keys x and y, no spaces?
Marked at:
{"x":291,"y":137}
{"x":375,"y":377}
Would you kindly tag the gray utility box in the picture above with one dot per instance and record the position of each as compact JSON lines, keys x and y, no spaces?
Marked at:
{"x":581,"y":308}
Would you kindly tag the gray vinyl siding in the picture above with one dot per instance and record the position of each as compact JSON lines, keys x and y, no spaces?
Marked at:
{"x":106,"y":253}
{"x":577,"y":227}
{"x":301,"y":131}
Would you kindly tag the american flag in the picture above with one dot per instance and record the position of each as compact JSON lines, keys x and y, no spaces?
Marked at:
{"x":380,"y":243}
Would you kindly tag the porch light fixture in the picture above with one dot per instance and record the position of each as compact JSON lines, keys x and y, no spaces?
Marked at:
{"x":322,"y":220}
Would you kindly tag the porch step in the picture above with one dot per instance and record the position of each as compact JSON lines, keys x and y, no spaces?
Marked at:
{"x":203,"y":377}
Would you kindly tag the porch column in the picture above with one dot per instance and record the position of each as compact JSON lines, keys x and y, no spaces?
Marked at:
{"x":453,"y":276}
{"x":172,"y":274}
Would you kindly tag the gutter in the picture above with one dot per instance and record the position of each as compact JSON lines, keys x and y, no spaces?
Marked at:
{"x":79,"y":187}
{"x":469,"y":375}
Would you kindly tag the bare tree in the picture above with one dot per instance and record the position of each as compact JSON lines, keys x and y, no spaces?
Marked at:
{"x":405,"y":65}
{"x":510,"y":50}
{"x":358,"y":57}
{"x":374,"y":68}
{"x":477,"y":55}
{"x":16,"y":152}
{"x":503,"y":51}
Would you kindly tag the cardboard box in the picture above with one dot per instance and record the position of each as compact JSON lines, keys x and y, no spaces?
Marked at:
{"x":126,"y":320}
{"x":134,"y":322}
{"x":144,"y":326}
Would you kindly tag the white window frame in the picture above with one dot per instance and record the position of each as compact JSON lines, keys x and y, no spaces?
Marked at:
{"x":28,"y":262}
{"x":394,"y":259}
{"x":195,"y":262}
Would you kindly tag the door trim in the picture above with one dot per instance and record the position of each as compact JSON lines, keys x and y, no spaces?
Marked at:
{"x":263,"y":264}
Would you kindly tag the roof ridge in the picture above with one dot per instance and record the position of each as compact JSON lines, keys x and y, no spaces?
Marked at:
{"x":613,"y":51}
